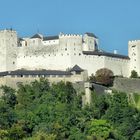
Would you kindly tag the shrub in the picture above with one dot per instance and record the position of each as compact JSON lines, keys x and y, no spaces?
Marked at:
{"x":134,"y":74}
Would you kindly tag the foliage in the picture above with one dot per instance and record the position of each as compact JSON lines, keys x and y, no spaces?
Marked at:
{"x":92,"y":78}
{"x":134,"y":74}
{"x":104,"y":76}
{"x":99,"y":128}
{"x":40,"y":111}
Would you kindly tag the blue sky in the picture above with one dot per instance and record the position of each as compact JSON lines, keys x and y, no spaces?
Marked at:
{"x":113,"y":21}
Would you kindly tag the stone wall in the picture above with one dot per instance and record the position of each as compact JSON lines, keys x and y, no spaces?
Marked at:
{"x":127,"y":85}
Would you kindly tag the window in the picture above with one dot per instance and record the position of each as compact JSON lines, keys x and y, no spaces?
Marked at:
{"x":65,"y":49}
{"x":25,"y":43}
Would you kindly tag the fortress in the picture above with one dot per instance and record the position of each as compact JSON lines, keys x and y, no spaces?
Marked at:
{"x":62,"y":53}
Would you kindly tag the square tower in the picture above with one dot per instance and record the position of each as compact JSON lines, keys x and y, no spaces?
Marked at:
{"x":8,"y":50}
{"x":134,"y":55}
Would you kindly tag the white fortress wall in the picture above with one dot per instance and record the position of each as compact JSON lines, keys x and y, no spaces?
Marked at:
{"x":51,"y":42}
{"x":91,"y":63}
{"x":42,"y":57}
{"x":117,"y":65}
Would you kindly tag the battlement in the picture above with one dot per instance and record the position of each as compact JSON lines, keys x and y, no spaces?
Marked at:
{"x":133,"y":42}
{"x":69,"y":35}
{"x":8,"y":31}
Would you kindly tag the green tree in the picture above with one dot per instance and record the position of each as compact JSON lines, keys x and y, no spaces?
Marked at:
{"x":8,"y":96}
{"x":134,"y":74}
{"x":101,"y":129}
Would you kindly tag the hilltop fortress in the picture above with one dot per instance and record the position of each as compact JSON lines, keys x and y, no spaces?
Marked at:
{"x":62,"y":53}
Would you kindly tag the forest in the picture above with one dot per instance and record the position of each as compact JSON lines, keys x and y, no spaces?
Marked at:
{"x":44,"y":111}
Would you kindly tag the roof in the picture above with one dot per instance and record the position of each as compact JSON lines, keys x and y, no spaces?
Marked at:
{"x":50,"y":38}
{"x":105,"y":54}
{"x":20,"y":39}
{"x":37,"y":36}
{"x":77,"y":69}
{"x":99,"y":89}
{"x":35,"y":72}
{"x":91,"y":35}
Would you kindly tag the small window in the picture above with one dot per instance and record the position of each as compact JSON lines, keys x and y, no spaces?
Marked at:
{"x":65,"y":49}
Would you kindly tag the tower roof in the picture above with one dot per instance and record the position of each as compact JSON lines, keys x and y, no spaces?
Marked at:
{"x":50,"y":38}
{"x":77,"y":69}
{"x":37,"y":36}
{"x":91,"y":35}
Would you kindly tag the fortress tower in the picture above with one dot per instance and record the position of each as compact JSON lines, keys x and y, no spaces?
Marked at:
{"x":8,"y":47}
{"x":134,"y":55}
{"x":90,"y":42}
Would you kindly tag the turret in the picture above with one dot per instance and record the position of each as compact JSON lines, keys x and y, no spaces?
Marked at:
{"x":90,"y":42}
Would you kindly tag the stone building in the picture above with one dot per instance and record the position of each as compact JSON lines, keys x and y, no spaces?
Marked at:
{"x":62,"y":53}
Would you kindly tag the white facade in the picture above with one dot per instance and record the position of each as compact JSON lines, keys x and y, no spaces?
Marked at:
{"x":63,"y":52}
{"x":134,"y":54}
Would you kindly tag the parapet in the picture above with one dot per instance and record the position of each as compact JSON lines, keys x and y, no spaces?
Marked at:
{"x":69,"y":35}
{"x":133,"y":42}
{"x":8,"y":31}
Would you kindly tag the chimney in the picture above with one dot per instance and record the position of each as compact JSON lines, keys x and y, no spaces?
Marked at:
{"x":115,"y":52}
